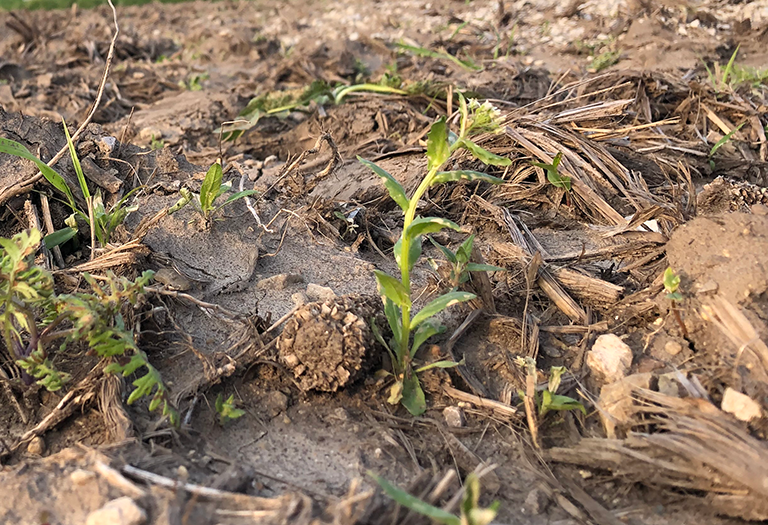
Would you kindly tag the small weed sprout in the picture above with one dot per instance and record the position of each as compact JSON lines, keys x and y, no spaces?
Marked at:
{"x":396,"y":293}
{"x":156,"y":143}
{"x":548,"y":400}
{"x":459,"y":262}
{"x":210,"y":191}
{"x":33,"y":316}
{"x":671,"y":285}
{"x":105,"y":221}
{"x":720,"y":143}
{"x":554,"y":177}
{"x":471,"y":511}
{"x":227,"y":410}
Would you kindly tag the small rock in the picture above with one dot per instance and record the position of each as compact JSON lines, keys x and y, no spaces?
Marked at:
{"x":315,"y":292}
{"x":277,"y":402}
{"x":36,"y":447}
{"x":669,"y":385}
{"x":617,"y":406}
{"x":536,"y":502}
{"x":706,"y":288}
{"x":280,"y":281}
{"x":454,"y":417}
{"x":610,"y":358}
{"x":673,"y":347}
{"x":299,"y":299}
{"x":743,"y":407}
{"x":120,"y":511}
{"x":341,"y":414}
{"x":81,"y":477}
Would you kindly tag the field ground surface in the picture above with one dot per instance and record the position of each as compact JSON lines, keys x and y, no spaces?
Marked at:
{"x":658,"y":111}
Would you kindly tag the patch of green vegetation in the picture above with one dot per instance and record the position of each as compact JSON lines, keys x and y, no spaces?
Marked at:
{"x":210,"y":191}
{"x":397,"y":293}
{"x":720,"y":143}
{"x":226,"y":409}
{"x":194,"y":82}
{"x":156,"y":143}
{"x":733,"y":75}
{"x":104,"y":223}
{"x":471,"y":511}
{"x":605,"y":60}
{"x":33,"y":317}
{"x":549,"y":400}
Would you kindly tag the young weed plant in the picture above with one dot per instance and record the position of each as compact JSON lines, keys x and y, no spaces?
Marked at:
{"x":227,"y":410}
{"x":460,"y":266}
{"x":471,"y":511}
{"x":105,"y":221}
{"x":396,"y":292}
{"x":671,"y":285}
{"x":210,"y":191}
{"x":33,"y":317}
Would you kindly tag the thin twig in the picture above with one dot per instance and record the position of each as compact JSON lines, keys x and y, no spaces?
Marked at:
{"x":247,"y":199}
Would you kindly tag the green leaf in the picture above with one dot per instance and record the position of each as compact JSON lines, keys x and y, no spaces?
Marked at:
{"x":238,"y":195}
{"x":468,"y":175}
{"x":448,"y":253}
{"x":440,"y":304}
{"x":413,"y":396}
{"x":76,"y":163}
{"x":676,"y":296}
{"x":424,"y":225}
{"x":394,"y":320}
{"x":59,"y":237}
{"x":464,"y":253}
{"x":394,"y":188}
{"x":725,"y":139}
{"x":10,"y":247}
{"x":553,"y":176}
{"x":475,"y":267}
{"x":438,"y":150}
{"x":414,"y":503}
{"x":671,"y":280}
{"x":414,"y":249}
{"x":483,"y":155}
{"x":425,"y":330}
{"x":211,"y":185}
{"x":392,"y":289}
{"x":12,"y":147}
{"x":550,"y":401}
{"x":377,"y":334}
{"x":439,"y":364}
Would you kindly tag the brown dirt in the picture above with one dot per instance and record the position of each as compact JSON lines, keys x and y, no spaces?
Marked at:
{"x":316,"y":416}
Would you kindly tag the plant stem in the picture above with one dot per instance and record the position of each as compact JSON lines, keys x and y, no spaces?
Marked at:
{"x":405,"y":248}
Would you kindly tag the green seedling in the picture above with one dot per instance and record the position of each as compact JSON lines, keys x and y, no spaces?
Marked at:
{"x":460,"y":266}
{"x":604,"y":60}
{"x":720,"y":143}
{"x":210,"y":191}
{"x":156,"y":143}
{"x":718,"y":76}
{"x":227,"y":410}
{"x":467,"y":64}
{"x":280,"y":103}
{"x":671,"y":285}
{"x":471,"y":511}
{"x":33,"y":317}
{"x":554,"y":177}
{"x":194,"y":82}
{"x":396,"y":292}
{"x":549,"y":400}
{"x":105,"y":221}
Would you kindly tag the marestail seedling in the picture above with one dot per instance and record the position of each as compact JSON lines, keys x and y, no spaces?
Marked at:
{"x":396,"y":292}
{"x":210,"y":191}
{"x":33,"y":317}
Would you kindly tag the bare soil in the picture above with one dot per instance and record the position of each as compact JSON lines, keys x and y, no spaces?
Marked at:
{"x":637,"y":139}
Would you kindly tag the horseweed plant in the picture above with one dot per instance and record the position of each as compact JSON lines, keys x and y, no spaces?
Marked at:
{"x":210,"y":191}
{"x":396,"y":293}
{"x":33,"y":316}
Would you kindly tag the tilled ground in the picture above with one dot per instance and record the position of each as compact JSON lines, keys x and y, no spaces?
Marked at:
{"x":619,"y":88}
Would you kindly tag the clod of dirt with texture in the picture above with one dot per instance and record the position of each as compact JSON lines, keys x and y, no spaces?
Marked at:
{"x":328,"y":345}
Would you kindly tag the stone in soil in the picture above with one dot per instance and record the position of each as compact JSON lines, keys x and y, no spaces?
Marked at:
{"x":609,"y":359}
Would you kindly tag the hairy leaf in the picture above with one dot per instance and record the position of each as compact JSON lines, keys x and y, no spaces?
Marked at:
{"x":414,"y":249}
{"x":394,"y":188}
{"x":438,"y":150}
{"x":483,"y":155}
{"x":468,"y":175}
{"x":392,"y":289}
{"x":413,"y":396}
{"x":424,"y":225}
{"x":425,"y":330}
{"x":440,"y":304}
{"x":210,"y":188}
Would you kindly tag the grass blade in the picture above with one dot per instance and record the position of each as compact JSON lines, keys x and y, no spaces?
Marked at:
{"x":76,"y":164}
{"x":414,"y":503}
